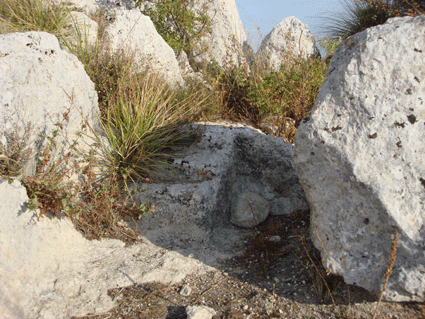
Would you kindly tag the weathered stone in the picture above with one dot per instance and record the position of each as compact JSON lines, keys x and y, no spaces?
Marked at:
{"x":199,"y":312}
{"x":289,"y":38}
{"x":48,"y":270}
{"x":249,"y":210}
{"x":108,"y":6}
{"x":41,"y":85}
{"x":193,"y":206}
{"x":225,"y":42}
{"x":186,"y":291}
{"x":359,"y":156}
{"x":135,"y":33}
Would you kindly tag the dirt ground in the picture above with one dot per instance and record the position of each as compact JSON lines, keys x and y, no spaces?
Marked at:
{"x":278,"y":276}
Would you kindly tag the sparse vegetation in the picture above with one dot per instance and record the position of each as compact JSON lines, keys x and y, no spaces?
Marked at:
{"x":289,"y":93}
{"x":181,"y":23}
{"x":142,"y":118}
{"x":34,"y":15}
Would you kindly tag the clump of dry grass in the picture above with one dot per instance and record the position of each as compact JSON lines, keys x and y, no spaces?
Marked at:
{"x":34,"y":15}
{"x":14,"y":152}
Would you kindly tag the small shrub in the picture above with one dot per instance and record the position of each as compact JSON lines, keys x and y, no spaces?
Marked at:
{"x":289,"y":93}
{"x":329,"y":45}
{"x":94,"y":208}
{"x":181,"y":24}
{"x":142,"y":120}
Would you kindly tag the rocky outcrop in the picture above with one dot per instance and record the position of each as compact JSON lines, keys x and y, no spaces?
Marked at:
{"x":48,"y":270}
{"x":194,"y":205}
{"x":289,"y":38}
{"x":225,"y":42}
{"x":135,"y":34}
{"x":359,"y":156}
{"x":42,"y":85}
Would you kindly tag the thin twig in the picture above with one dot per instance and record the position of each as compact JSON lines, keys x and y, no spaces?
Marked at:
{"x":388,"y":272}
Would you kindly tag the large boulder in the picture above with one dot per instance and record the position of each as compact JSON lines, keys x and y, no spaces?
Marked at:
{"x":42,"y":86}
{"x":360,"y":158}
{"x":289,"y":38}
{"x":48,"y":270}
{"x":231,"y":174}
{"x":225,"y":42}
{"x":134,"y":33}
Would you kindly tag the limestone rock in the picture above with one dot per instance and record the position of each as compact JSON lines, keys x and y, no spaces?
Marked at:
{"x":108,"y":6}
{"x":135,"y":33}
{"x":48,"y":270}
{"x":225,"y":42}
{"x":40,"y":84}
{"x":249,"y":210}
{"x":359,"y":156}
{"x":193,"y":205}
{"x":199,"y":312}
{"x":289,"y":38}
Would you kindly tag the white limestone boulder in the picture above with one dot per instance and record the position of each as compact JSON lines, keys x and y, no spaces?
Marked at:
{"x":360,"y":158}
{"x":289,"y":38}
{"x":41,"y":85}
{"x":48,"y":270}
{"x":225,"y":42}
{"x":134,"y":33}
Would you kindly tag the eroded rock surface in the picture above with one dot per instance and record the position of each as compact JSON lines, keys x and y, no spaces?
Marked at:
{"x":359,"y":156}
{"x":193,"y":206}
{"x":48,"y":270}
{"x":91,"y":6}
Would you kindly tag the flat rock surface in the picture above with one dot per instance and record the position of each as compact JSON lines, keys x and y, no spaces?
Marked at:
{"x":48,"y":270}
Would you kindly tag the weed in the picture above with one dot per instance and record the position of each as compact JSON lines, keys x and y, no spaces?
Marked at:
{"x":14,"y":153}
{"x":389,"y":270}
{"x":329,"y":45}
{"x":363,"y":14}
{"x":34,"y":15}
{"x":180,"y":23}
{"x":142,"y":123}
{"x":289,"y":93}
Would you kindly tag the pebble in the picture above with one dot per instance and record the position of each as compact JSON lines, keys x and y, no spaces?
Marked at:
{"x":186,"y":291}
{"x":275,"y":239}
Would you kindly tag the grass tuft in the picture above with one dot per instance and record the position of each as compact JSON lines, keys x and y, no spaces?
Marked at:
{"x":34,"y":15}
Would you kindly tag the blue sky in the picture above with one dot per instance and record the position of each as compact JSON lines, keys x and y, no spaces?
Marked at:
{"x":265,"y":14}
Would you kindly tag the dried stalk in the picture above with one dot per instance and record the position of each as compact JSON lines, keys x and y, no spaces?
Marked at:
{"x":388,"y":272}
